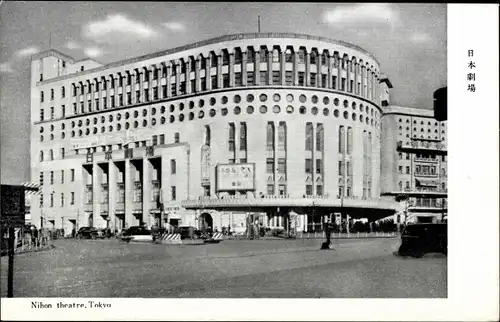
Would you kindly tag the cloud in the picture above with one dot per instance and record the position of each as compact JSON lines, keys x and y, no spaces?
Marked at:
{"x":73,"y":45}
{"x":28,"y":51}
{"x":93,"y":52}
{"x":419,"y":37}
{"x":362,"y":13}
{"x":116,"y":28}
{"x":6,"y":68}
{"x":174,"y":26}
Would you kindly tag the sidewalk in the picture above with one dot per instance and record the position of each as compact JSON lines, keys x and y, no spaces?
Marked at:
{"x":321,"y":235}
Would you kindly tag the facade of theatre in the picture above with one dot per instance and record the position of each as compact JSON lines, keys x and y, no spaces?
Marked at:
{"x":282,"y":125}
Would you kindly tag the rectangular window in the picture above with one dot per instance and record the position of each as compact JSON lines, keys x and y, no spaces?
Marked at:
{"x":243,"y":160}
{"x":400,"y":156}
{"x":309,"y":166}
{"x":146,"y":95}
{"x":349,"y":169}
{"x":74,"y":108}
{"x":309,"y":137}
{"x":231,"y":161}
{"x":400,"y":169}
{"x":407,"y":170}
{"x":62,"y":176}
{"x":270,"y":190}
{"x":182,"y":88}
{"x":72,"y":201}
{"x":309,"y":190}
{"x":250,"y":78}
{"x":351,"y":86}
{"x":155,"y":93}
{"x":269,"y":165}
{"x":237,"y":79}
{"x":62,"y":199}
{"x":52,"y":114}
{"x":281,"y":165}
{"x":63,"y":153}
{"x":263,"y":77}
{"x":288,"y":78}
{"x":164,"y":90}
{"x":282,"y":190}
{"x":155,"y":139}
{"x":162,"y":138}
{"x":341,"y":168}
{"x":173,"y":193}
{"x":203,"y":84}
{"x":243,"y":136}
{"x":72,"y":175}
{"x":342,"y":85}
{"x":129,"y":98}
{"x":319,"y":166}
{"x":301,"y":76}
{"x":319,"y":190}
{"x":334,"y":82}
{"x":312,"y":79}
{"x":417,"y":169}
{"x":41,"y":115}
{"x":323,"y":81}
{"x":225,"y":80}
{"x":172,"y":166}
{"x":276,"y":77}
{"x":192,"y":83}
{"x":137,"y":96}
{"x":214,"y":81}
{"x":177,"y":137}
{"x":63,"y":111}
{"x":97,"y":104}
{"x":51,"y":177}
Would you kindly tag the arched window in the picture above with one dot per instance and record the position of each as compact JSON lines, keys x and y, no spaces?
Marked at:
{"x":207,"y":135}
{"x":309,"y":136}
{"x":225,"y":57}
{"x":237,"y":56}
{"x":250,"y":55}
{"x":270,"y":135}
{"x":302,"y":55}
{"x":276,"y":56}
{"x":282,"y":136}
{"x":341,"y":139}
{"x":213,"y":59}
{"x":289,"y":56}
{"x":349,"y":140}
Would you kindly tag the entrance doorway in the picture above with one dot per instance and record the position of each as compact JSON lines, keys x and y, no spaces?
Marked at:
{"x":206,"y":222}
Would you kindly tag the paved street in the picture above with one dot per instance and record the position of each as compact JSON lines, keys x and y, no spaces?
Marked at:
{"x":282,"y":268}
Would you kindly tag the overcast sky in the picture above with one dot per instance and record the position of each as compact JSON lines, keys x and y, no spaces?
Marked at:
{"x":409,"y":40}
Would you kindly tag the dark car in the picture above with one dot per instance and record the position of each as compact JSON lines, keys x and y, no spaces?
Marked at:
{"x":419,"y":239}
{"x":190,"y":232}
{"x":137,"y":233}
{"x":87,"y":232}
{"x":103,"y":233}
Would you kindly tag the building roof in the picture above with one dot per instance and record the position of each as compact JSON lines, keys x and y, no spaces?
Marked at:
{"x":211,"y":41}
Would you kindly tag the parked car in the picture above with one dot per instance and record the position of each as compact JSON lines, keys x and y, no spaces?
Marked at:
{"x":103,"y":233}
{"x":87,"y":232}
{"x":419,"y":239}
{"x":137,"y":233}
{"x":190,"y":232}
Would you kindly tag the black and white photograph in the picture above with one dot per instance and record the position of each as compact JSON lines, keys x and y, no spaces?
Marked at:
{"x":199,"y":150}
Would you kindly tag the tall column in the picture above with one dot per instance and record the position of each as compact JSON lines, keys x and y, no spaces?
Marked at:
{"x":132,"y":87}
{"x":98,"y":87}
{"x":96,"y":193}
{"x":339,"y":73}
{"x":208,"y":72}
{"x":283,"y":66}
{"x":91,"y":100}
{"x":108,"y":90}
{"x":112,"y":197}
{"x":219,"y":71}
{"x":295,"y":68}
{"x":270,"y":57}
{"x":129,"y":186}
{"x":197,"y":82}
{"x":355,"y":91}
{"x":319,"y":71}
{"x":142,"y":74}
{"x":308,"y":69}
{"x":362,"y":74}
{"x":330,"y":63}
{"x":146,"y":191}
{"x":256,"y":68}
{"x":244,"y":79}
{"x":348,"y":77}
{"x":187,"y":77}
{"x":177,"y":77}
{"x":168,"y":80}
{"x":231,"y":70}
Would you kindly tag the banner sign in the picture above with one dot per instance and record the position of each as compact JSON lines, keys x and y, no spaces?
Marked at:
{"x":233,"y":177}
{"x":13,"y":205}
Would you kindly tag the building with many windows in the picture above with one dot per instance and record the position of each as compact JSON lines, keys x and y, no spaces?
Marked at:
{"x":285,"y":126}
{"x":414,"y":159}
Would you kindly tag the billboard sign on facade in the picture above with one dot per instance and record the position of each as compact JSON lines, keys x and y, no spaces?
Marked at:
{"x":13,"y":205}
{"x":235,"y":177}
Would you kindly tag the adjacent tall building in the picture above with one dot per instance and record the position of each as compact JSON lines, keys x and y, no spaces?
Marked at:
{"x":292,"y":128}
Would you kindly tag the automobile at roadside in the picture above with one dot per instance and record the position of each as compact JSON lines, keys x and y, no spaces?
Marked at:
{"x":137,"y":234}
{"x":420,"y":239}
{"x":87,"y":233}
